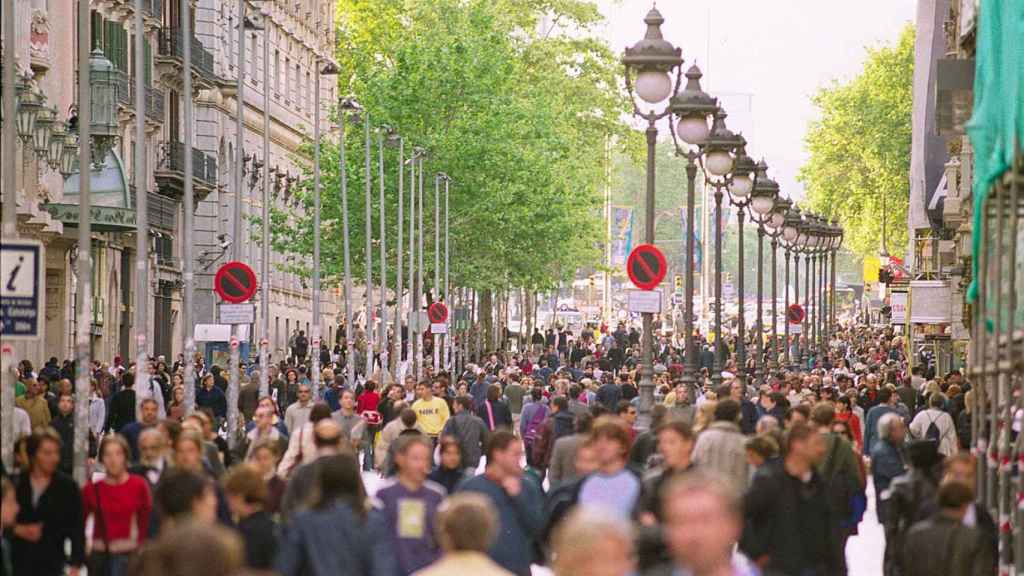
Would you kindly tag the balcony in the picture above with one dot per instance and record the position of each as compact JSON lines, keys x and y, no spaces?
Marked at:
{"x":125,"y":85}
{"x":170,"y":59}
{"x":153,"y":8}
{"x":170,"y":171}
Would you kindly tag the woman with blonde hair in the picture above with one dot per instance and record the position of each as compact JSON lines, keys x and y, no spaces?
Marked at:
{"x":705,"y":415}
{"x":592,"y":543}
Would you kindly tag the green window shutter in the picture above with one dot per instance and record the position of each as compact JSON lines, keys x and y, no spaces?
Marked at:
{"x":147,"y":61}
{"x":96,"y":29}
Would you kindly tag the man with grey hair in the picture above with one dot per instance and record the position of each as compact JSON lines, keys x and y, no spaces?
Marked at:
{"x":887,"y":459}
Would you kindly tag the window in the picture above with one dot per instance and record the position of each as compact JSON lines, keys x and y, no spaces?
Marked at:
{"x":309,"y":101}
{"x":252,"y":58}
{"x":287,"y":79}
{"x":297,"y":80}
{"x":277,"y":71}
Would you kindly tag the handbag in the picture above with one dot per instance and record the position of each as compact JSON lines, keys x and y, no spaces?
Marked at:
{"x":98,"y":562}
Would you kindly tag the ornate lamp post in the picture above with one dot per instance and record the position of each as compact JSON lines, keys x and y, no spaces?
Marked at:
{"x":773,"y":228}
{"x":762,"y":205}
{"x":790,"y":234}
{"x":718,"y":164}
{"x":693,"y":108}
{"x":838,"y":243}
{"x":103,"y":93}
{"x":651,"y":61}
{"x":744,"y":174}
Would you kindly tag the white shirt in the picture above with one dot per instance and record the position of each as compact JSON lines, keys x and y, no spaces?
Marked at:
{"x":22,"y":423}
{"x":150,"y":389}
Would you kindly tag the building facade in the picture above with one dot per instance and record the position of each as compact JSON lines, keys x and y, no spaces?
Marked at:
{"x":300,"y":36}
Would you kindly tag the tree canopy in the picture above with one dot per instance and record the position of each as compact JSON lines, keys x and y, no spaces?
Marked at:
{"x":520,"y":116}
{"x":859,"y":166}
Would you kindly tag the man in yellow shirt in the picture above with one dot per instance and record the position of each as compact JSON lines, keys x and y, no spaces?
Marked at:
{"x":431,"y":412}
{"x":34,"y":404}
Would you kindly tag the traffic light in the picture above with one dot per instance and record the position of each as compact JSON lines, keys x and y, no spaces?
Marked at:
{"x":679,"y":282}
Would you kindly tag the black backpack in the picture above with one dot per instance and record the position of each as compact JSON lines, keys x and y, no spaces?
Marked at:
{"x":933,"y":432}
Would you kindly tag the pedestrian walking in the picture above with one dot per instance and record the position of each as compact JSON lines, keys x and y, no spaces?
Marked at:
{"x":50,"y":513}
{"x":517,"y":501}
{"x":334,"y":535}
{"x":467,"y":525}
{"x":120,"y":505}
{"x":408,"y":506}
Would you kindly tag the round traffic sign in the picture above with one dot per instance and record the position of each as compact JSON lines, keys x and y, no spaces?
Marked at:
{"x":795,"y":314}
{"x":234,"y":342}
{"x":646,"y":266}
{"x":235,"y":282}
{"x":437,"y":313}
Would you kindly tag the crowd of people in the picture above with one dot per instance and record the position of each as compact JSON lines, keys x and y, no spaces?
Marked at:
{"x":518,"y":460}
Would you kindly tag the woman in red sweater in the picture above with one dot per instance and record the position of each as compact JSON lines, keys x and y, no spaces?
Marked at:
{"x":120,"y":505}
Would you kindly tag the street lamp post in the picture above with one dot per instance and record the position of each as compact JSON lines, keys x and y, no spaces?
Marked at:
{"x":693,"y":108}
{"x":774,"y":228}
{"x":790,"y":234}
{"x":346,"y":106}
{"x":384,"y":135}
{"x":762,"y":204}
{"x":652,"y":60}
{"x":744,"y":176}
{"x":328,"y":69}
{"x":395,"y":352}
{"x":719,"y":162}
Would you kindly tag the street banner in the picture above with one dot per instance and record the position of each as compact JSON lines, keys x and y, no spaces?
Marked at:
{"x":622,"y":235}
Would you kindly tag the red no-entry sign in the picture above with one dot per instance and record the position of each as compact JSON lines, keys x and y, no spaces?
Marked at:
{"x":795,"y":314}
{"x":646,"y":266}
{"x":437,"y":313}
{"x":235,"y":282}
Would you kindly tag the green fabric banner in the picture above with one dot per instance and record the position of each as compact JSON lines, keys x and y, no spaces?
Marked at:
{"x":996,"y":128}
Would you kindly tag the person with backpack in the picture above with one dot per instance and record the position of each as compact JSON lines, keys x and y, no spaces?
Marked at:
{"x":936,"y":424}
{"x":557,"y":425}
{"x":533,"y":417}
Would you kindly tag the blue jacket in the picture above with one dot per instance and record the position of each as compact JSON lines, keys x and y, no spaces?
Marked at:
{"x":886,"y":464}
{"x":871,"y":425}
{"x":332,"y":541}
{"x":520,"y":521}
{"x":214,"y":399}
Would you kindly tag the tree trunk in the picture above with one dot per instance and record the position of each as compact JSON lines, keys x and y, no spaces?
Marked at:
{"x":486,"y":322}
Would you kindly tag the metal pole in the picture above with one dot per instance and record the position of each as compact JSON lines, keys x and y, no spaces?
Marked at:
{"x":350,"y":367}
{"x":188,"y":215}
{"x":314,"y":337}
{"x":83,"y":293}
{"x":774,"y":359}
{"x":141,"y":296}
{"x":410,"y":340}
{"x":383,"y":339}
{"x":236,"y":236}
{"x":690,"y":368}
{"x":396,"y":340}
{"x":796,"y":297}
{"x":741,"y":343}
{"x":419,"y":278}
{"x":805,"y":351}
{"x":265,"y":217}
{"x":369,"y":244}
{"x":10,"y":208}
{"x":759,"y":325}
{"x":716,"y":371}
{"x":437,"y":262}
{"x":647,"y":338}
{"x":448,"y":362}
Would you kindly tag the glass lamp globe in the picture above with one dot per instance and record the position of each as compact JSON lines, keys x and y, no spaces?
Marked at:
{"x":741,"y":185}
{"x":718,"y":162}
{"x":790,"y":233}
{"x":762,"y":204}
{"x":693,"y":129}
{"x":778,"y":219}
{"x":653,"y":86}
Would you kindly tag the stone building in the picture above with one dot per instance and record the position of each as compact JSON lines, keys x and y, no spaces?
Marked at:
{"x":300,"y":36}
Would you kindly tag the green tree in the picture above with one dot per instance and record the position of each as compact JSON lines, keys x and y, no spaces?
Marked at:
{"x":521,"y":121}
{"x":859,"y":166}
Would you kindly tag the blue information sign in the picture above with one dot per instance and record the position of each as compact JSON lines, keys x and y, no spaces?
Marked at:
{"x":21,"y":288}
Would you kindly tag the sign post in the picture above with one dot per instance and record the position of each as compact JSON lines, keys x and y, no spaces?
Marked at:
{"x":437,"y":313}
{"x":21,"y":317}
{"x":646,"y":266}
{"x":235,"y":282}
